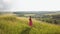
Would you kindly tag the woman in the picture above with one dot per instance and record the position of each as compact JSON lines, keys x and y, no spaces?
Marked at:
{"x":30,"y":21}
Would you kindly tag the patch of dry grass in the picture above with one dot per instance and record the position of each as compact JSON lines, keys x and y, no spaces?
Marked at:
{"x":19,"y":25}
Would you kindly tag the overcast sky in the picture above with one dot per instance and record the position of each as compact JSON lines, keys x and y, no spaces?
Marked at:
{"x":34,"y":5}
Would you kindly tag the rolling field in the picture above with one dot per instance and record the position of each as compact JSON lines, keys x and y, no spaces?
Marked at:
{"x":20,"y":25}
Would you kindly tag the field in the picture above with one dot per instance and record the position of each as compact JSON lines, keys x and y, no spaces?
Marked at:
{"x":10,"y":24}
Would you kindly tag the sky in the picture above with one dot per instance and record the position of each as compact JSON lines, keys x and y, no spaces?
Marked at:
{"x":33,"y":5}
{"x":5,"y":5}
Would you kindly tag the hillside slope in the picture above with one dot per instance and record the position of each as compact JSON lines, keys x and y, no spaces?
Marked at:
{"x":19,"y":25}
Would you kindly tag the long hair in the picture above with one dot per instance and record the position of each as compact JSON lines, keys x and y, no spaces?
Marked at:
{"x":30,"y":21}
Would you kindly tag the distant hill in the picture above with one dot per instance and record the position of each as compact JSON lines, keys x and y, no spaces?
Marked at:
{"x":37,"y":11}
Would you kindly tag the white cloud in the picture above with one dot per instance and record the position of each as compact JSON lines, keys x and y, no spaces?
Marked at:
{"x":5,"y":5}
{"x":34,"y":5}
{"x":7,"y":1}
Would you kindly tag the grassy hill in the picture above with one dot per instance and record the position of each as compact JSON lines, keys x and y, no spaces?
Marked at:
{"x":19,"y":25}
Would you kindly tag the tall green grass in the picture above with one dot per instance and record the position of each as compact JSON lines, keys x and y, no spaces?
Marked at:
{"x":19,"y":25}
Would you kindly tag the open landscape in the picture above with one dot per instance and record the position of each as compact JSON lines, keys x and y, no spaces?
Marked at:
{"x":29,"y":16}
{"x":18,"y":23}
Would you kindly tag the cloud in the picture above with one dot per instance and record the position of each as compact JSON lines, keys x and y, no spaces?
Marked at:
{"x":36,"y":5}
{"x":5,"y":5}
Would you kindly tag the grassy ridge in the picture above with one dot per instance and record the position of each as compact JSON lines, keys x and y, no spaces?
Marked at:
{"x":19,"y":25}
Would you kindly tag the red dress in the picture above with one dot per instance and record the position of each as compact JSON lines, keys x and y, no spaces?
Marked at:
{"x":30,"y":21}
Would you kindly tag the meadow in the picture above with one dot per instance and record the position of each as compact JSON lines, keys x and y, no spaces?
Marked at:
{"x":10,"y":24}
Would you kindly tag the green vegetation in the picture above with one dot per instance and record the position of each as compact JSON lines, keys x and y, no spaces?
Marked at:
{"x":51,"y":18}
{"x":19,"y":25}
